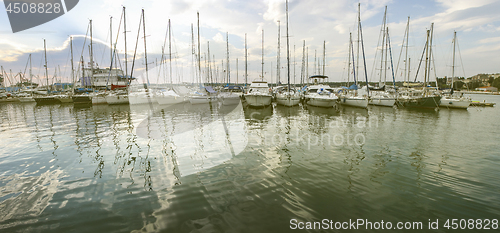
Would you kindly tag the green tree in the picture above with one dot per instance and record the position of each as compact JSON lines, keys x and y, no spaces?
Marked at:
{"x":473,"y":85}
{"x":496,"y":83}
{"x":458,"y":85}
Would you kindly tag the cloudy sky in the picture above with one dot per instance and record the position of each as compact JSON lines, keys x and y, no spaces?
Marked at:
{"x":477,"y":24}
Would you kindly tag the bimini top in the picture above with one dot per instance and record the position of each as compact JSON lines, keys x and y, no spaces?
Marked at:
{"x":210,"y":90}
{"x":233,"y":88}
{"x":319,"y":76}
{"x":257,"y":84}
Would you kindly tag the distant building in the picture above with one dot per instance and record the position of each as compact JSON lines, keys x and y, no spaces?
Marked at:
{"x":488,"y":88}
{"x":480,"y":78}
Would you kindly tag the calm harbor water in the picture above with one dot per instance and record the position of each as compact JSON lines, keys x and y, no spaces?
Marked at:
{"x":233,"y":169}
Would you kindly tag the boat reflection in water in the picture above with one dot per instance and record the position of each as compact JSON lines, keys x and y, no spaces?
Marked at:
{"x":198,"y":136}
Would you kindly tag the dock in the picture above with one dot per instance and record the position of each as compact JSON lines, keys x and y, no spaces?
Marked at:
{"x":482,"y":104}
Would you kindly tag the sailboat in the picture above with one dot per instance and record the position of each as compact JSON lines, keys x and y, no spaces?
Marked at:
{"x":85,"y":97}
{"x":205,"y":94}
{"x":450,"y":100}
{"x":29,"y":97}
{"x":229,"y":95}
{"x":382,"y":97}
{"x":350,"y":96}
{"x":168,"y":95}
{"x":259,"y":94}
{"x":48,"y":99}
{"x":422,"y":98}
{"x":287,"y":96}
{"x":320,"y":94}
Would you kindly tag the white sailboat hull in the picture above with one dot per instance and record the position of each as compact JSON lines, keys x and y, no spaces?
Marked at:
{"x":169,"y":100}
{"x":202,"y":99}
{"x":117,"y":99}
{"x":388,"y":102}
{"x":287,"y":100}
{"x":354,"y":102}
{"x":320,"y":101}
{"x":28,"y":99}
{"x":258,"y":100}
{"x":231,"y":100}
{"x":454,"y":103}
{"x":141,"y":98}
{"x":100,"y":99}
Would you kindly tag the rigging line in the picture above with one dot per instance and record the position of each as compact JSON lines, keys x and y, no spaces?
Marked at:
{"x":163,"y":51}
{"x":384,"y":19}
{"x":420,"y":63}
{"x":114,"y":50}
{"x":460,"y":55}
{"x":135,"y":51}
{"x":402,"y":47}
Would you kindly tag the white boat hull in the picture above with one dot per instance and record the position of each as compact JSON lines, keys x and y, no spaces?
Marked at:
{"x":28,"y":99}
{"x":258,"y":100}
{"x":202,"y":99}
{"x":142,"y":98}
{"x":454,"y":103}
{"x":169,"y":100}
{"x":388,"y":102}
{"x":65,"y":99}
{"x":99,"y":100}
{"x":354,"y":102}
{"x":287,"y":100}
{"x":231,"y":100}
{"x":321,"y":101}
{"x":117,"y":99}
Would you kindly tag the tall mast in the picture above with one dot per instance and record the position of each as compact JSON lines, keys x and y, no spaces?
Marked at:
{"x":227,"y":61}
{"x":294,"y":76}
{"x":407,"y":65}
{"x":170,"y":51}
{"x":145,"y":50}
{"x":386,"y":52}
{"x":364,"y":58}
{"x":91,"y":56}
{"x":72,"y":66}
{"x":349,"y":59}
{"x":324,"y":56}
{"x":262,"y":75}
{"x":209,"y":75}
{"x":303,"y":62}
{"x":199,"y":51}
{"x":46,"y":70}
{"x":359,"y":22}
{"x":125,"y":36}
{"x":193,"y":52}
{"x":453,"y":65}
{"x":236,"y":71}
{"x":111,"y":39}
{"x":384,"y":21}
{"x":426,"y":60}
{"x":307,"y":63}
{"x":246,"y":60}
{"x":355,"y":78}
{"x":31,"y":74}
{"x":430,"y":54}
{"x":278,"y":56}
{"x":287,"y":48}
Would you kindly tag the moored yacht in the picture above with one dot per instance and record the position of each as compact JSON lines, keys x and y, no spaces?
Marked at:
{"x":231,"y":95}
{"x":259,"y":94}
{"x":320,"y":95}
